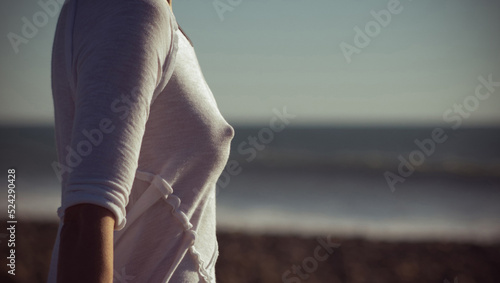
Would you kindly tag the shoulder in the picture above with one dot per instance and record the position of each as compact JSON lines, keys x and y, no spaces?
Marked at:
{"x":123,"y":12}
{"x":113,"y":21}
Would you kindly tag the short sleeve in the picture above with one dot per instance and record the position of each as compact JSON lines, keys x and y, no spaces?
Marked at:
{"x":121,"y":49}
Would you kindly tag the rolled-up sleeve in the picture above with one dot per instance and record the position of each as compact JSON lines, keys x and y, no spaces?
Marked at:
{"x":119,"y":56}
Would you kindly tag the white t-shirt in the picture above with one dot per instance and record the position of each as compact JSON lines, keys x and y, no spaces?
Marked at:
{"x":138,"y":132}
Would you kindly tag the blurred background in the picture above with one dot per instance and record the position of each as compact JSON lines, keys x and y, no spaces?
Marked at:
{"x":390,"y":142}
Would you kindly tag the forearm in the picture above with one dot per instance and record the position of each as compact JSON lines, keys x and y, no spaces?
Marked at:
{"x":86,"y":245}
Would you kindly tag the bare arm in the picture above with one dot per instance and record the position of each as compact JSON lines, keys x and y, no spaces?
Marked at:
{"x":86,"y":247}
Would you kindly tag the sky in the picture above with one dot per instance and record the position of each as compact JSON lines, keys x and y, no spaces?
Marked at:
{"x":329,"y":62}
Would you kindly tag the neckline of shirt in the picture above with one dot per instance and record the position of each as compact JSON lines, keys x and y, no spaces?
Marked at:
{"x":178,"y":26}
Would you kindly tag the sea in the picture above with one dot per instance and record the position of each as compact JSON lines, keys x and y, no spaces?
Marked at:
{"x":380,"y":182}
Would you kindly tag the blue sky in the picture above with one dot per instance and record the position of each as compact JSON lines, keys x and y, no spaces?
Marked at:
{"x":265,"y":54}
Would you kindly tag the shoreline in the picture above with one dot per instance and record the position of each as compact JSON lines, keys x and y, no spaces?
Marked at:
{"x":253,"y":257}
